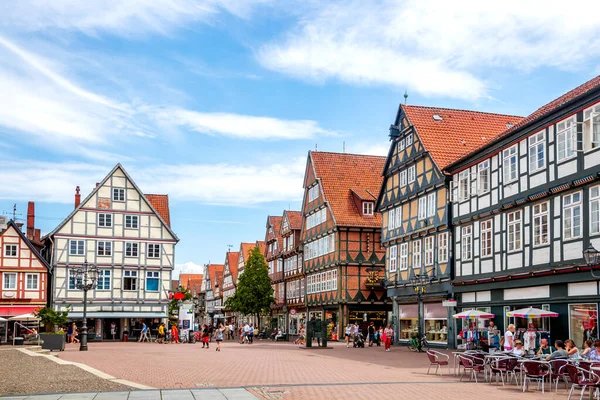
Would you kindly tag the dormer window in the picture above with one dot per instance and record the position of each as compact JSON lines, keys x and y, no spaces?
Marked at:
{"x":368,"y":207}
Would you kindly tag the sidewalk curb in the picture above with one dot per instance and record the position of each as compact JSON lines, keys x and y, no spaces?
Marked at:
{"x":89,"y":369}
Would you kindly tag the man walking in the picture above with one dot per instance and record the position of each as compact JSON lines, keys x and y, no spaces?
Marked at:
{"x":144,"y":333}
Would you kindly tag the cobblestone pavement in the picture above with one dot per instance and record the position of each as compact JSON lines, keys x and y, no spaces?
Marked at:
{"x":285,"y":371}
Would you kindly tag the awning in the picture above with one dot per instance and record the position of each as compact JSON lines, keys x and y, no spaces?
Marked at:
{"x":119,"y":314}
{"x":11,"y":311}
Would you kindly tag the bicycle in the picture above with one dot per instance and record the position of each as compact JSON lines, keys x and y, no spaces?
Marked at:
{"x":418,"y":345}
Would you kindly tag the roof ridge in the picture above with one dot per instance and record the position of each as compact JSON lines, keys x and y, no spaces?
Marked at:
{"x":345,"y":154}
{"x":463,"y":110}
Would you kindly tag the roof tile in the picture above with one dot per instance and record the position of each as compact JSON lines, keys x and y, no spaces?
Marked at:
{"x":160,"y":202}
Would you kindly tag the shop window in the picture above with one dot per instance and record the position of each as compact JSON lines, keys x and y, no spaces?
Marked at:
{"x":583,"y":322}
{"x":436,"y":322}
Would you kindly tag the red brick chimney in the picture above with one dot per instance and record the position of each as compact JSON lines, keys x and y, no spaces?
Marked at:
{"x":77,"y":197}
{"x":30,"y":220}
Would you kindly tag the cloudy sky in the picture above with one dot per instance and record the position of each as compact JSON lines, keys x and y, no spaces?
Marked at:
{"x":217,"y":102}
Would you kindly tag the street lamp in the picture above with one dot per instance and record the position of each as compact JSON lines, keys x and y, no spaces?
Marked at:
{"x":420,"y":283}
{"x":591,"y":257}
{"x":86,"y":277}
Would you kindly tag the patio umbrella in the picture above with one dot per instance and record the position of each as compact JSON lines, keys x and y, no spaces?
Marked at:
{"x":473,"y":314}
{"x":531,"y":312}
{"x":24,"y":317}
{"x":3,"y":319}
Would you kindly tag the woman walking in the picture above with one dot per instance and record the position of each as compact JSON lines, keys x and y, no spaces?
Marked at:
{"x":219,"y":337}
{"x":174,"y":334}
{"x":388,"y":334}
{"x":348,"y":331}
{"x":205,"y":336}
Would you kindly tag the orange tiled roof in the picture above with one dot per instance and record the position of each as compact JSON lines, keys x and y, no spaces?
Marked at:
{"x":174,"y":285}
{"x":233,"y":258}
{"x":246,"y":247}
{"x":340,"y":173}
{"x":213,"y":269}
{"x":160,"y":202}
{"x":458,"y":133}
{"x":295,"y":219}
{"x":275,"y":221}
{"x":185,"y":278}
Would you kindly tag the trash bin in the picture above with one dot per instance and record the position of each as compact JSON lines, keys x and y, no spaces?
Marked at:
{"x":125,"y":336}
{"x":191,"y":336}
{"x":18,"y":341}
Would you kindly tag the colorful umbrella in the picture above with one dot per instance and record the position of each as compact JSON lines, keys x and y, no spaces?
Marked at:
{"x":531,"y":313}
{"x":473,"y":314}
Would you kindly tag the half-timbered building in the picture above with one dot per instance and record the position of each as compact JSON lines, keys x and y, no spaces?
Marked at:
{"x":230,"y":281}
{"x":273,"y":257}
{"x":341,"y":238}
{"x":416,"y":215}
{"x":212,"y":293}
{"x":525,"y":207}
{"x":293,"y":274}
{"x":127,"y":235}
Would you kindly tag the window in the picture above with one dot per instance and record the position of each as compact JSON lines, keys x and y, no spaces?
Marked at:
{"x":466,"y":242}
{"x":131,"y":249}
{"x":118,"y":194}
{"x":443,"y":247}
{"x":393,"y":258}
{"x":591,"y":123}
{"x":313,"y":193}
{"x":400,"y":145}
{"x":409,"y":140}
{"x":77,"y":247}
{"x":152,"y":279}
{"x":391,"y":218}
{"x":416,"y":254}
{"x":572,"y":215}
{"x":74,"y":281}
{"x":367,"y":207}
{"x":540,"y":224}
{"x":403,"y":256}
{"x":483,"y":177}
{"x":319,"y":247}
{"x":595,"y":209}
{"x":105,"y":220}
{"x":514,"y":231}
{"x":9,"y":281}
{"x":402,"y":178}
{"x":10,"y":250}
{"x":398,"y":216}
{"x":271,"y":267}
{"x":132,"y":221}
{"x":32,"y":281}
{"x":566,"y":139}
{"x":429,"y":250}
{"x":431,"y":205}
{"x":321,"y":282}
{"x":411,"y":174}
{"x":486,"y":238}
{"x":104,"y":279}
{"x":104,"y":248}
{"x":463,"y":185}
{"x":130,"y":280}
{"x":422,"y":207}
{"x":537,"y":148}
{"x":153,"y":250}
{"x":509,"y":164}
{"x":316,"y":218}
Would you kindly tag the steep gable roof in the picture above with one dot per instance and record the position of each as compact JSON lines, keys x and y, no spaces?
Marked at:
{"x":245,"y":249}
{"x":213,"y":269}
{"x":233,"y":258}
{"x":294,"y":219}
{"x":457,"y":132}
{"x":339,"y":175}
{"x":11,"y":224}
{"x":185,"y":278}
{"x":261,"y":246}
{"x":160,"y":202}
{"x":275,"y":222}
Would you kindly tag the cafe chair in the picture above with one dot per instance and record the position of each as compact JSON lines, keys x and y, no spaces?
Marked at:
{"x":535,"y":371}
{"x":439,"y":360}
{"x":581,"y":379}
{"x":558,"y":371}
{"x":473,"y":364}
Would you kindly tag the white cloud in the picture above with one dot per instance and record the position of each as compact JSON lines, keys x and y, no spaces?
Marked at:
{"x":221,"y":184}
{"x":123,"y":17}
{"x":236,"y":125}
{"x":434,"y":47}
{"x":187,"y":268}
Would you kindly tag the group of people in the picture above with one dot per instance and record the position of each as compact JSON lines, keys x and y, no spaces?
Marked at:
{"x":376,"y":335}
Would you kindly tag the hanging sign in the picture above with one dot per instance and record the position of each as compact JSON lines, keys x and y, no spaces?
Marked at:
{"x":449,"y":303}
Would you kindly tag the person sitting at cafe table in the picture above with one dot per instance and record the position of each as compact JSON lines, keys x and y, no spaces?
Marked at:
{"x":560,"y":351}
{"x":571,"y":349}
{"x":545,"y":348}
{"x":594,"y":354}
{"x":518,"y":350}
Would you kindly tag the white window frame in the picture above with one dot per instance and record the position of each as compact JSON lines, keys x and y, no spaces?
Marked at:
{"x":132,"y":249}
{"x":537,"y":152}
{"x":466,"y":241}
{"x":129,"y":219}
{"x":399,"y":217}
{"x":400,"y":146}
{"x":313,"y":193}
{"x":514,"y":235}
{"x":403,"y":178}
{"x":409,"y":139}
{"x":72,"y":278}
{"x":483,"y":177}
{"x":4,"y":283}
{"x":412,"y":174}
{"x":571,"y":207}
{"x":591,"y":129}
{"x":393,"y":265}
{"x":118,"y":194}
{"x":417,"y":254}
{"x":13,"y":252}
{"x":102,"y":275}
{"x":464,"y":186}
{"x":77,"y":249}
{"x":105,"y":220}
{"x":431,"y":205}
{"x":486,"y":240}
{"x":566,"y":135}
{"x":510,"y":164}
{"x":403,"y":264}
{"x":442,"y":247}
{"x":422,"y":212}
{"x":540,"y":218}
{"x":37,"y":281}
{"x":133,"y":276}
{"x":391,"y":219}
{"x":368,"y":207}
{"x":594,"y":210}
{"x":107,"y":249}
{"x":429,"y":246}
{"x":151,"y":250}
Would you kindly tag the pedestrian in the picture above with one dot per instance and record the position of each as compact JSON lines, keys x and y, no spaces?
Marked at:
{"x":144,"y":333}
{"x":388,"y":334}
{"x":70,"y":333}
{"x":371,"y":330}
{"x":205,"y":336}
{"x":509,"y":338}
{"x":75,"y":333}
{"x":242,"y":333}
{"x":380,"y":336}
{"x":113,"y":330}
{"x":348,"y":332}
{"x":355,"y":329}
{"x":161,"y":333}
{"x":174,"y":334}
{"x":250,"y":334}
{"x":219,"y":336}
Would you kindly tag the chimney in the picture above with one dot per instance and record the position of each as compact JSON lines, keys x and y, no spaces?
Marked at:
{"x":37,"y":236}
{"x":77,"y":197}
{"x":30,"y":220}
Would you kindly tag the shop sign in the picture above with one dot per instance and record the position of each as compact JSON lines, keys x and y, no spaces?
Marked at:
{"x":293,"y":311}
{"x":328,"y":315}
{"x":449,"y":303}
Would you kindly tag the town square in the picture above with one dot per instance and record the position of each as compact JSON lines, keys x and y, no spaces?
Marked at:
{"x":257,"y":199}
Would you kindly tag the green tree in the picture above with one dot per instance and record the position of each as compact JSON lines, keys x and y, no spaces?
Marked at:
{"x":254,"y":294}
{"x":51,"y":318}
{"x":173,"y":307}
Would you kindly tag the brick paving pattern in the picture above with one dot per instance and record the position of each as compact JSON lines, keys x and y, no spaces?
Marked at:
{"x":284,"y":371}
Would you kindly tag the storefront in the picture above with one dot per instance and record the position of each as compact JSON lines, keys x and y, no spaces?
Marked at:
{"x":130,"y":324}
{"x":297,"y":320}
{"x":435,"y":317}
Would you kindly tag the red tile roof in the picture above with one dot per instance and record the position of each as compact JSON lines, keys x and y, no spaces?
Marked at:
{"x":185,"y":278}
{"x":275,"y":221}
{"x":160,"y":202}
{"x":233,"y":258}
{"x":246,"y":247}
{"x":458,"y":133}
{"x":339,"y":174}
{"x":213,"y":269}
{"x":294,"y":218}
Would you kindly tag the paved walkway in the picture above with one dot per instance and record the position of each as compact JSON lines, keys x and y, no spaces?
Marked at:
{"x":181,"y":394}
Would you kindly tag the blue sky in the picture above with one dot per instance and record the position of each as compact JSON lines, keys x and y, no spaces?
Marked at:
{"x":217,"y":102}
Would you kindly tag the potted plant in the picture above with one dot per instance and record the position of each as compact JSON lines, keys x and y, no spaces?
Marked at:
{"x":53,"y":338}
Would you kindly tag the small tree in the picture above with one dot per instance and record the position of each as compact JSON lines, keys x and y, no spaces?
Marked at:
{"x":254,"y":294}
{"x":173,"y":307}
{"x":51,"y":318}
